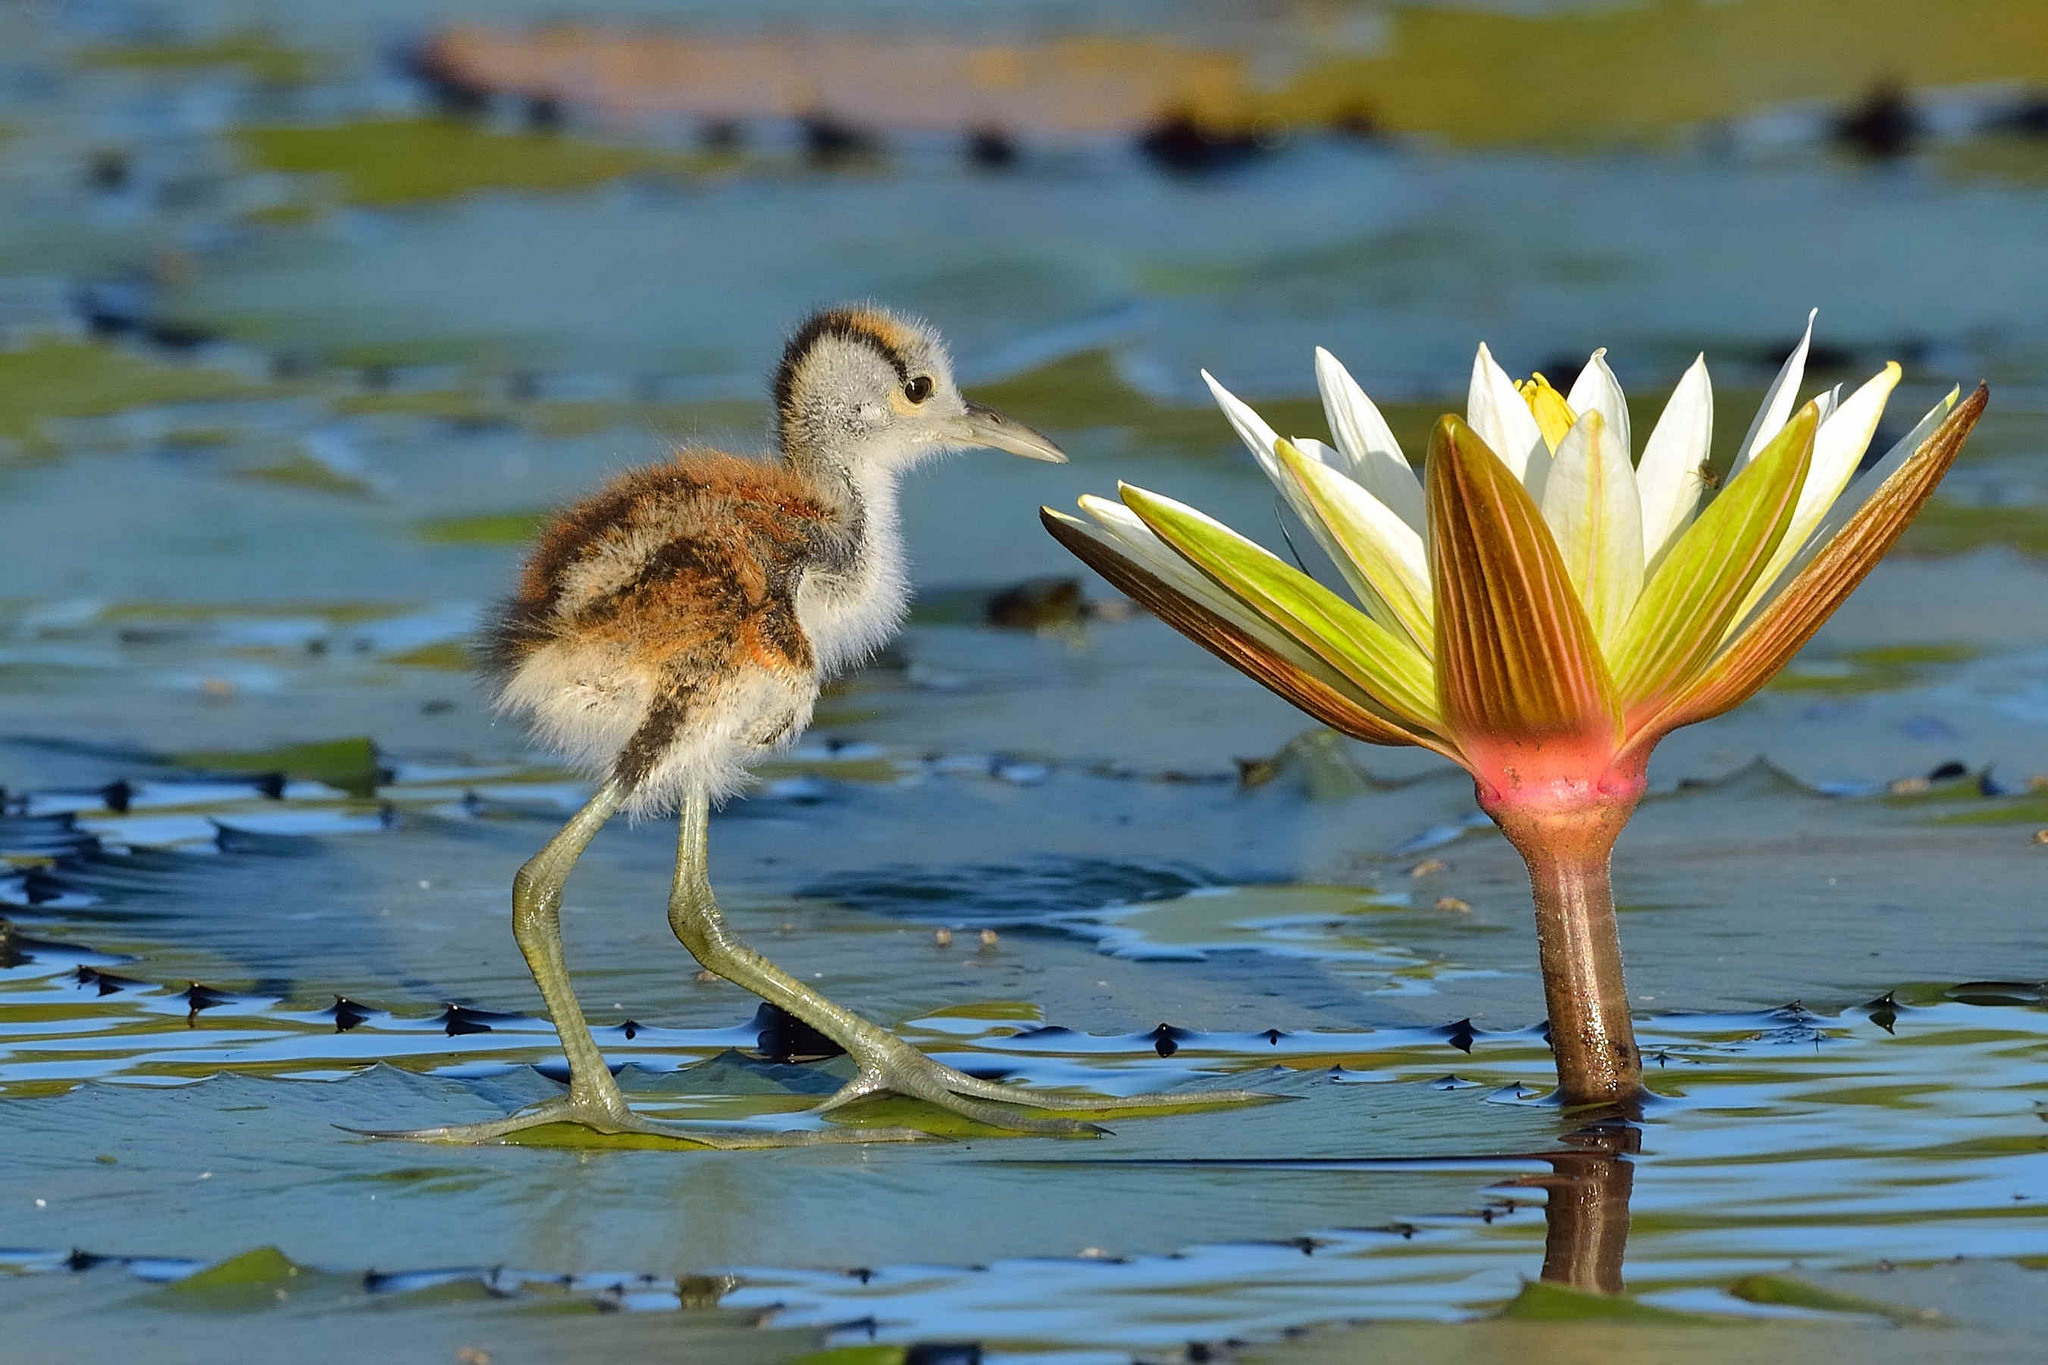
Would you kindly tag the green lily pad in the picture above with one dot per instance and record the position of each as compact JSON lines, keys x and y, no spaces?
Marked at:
{"x":255,"y":52}
{"x":350,"y":764}
{"x":407,"y":161}
{"x":78,"y":379}
{"x":1785,"y":1291}
{"x":489,"y":528}
{"x":1542,"y":1301}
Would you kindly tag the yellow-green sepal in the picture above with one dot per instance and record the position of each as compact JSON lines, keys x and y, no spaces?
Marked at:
{"x":1688,"y":604}
{"x":1382,"y":663}
{"x":1768,"y":641}
{"x":1268,"y":656}
{"x":1384,"y":551}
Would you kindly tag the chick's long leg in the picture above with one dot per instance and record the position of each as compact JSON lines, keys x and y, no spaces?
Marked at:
{"x":886,"y":1062}
{"x":594,"y":1099}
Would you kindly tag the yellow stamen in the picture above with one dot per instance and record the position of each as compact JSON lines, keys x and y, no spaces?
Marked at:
{"x":1554,"y":416}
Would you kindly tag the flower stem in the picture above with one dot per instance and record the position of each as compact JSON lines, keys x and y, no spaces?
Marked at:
{"x":1579,"y":947}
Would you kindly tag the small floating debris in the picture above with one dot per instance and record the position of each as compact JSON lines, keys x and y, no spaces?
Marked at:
{"x":347,"y":1014}
{"x":1166,"y":1039}
{"x":1453,"y":905}
{"x":1429,"y":867}
{"x":831,"y":141}
{"x":1883,"y":126}
{"x":104,"y":983}
{"x":721,"y":136}
{"x":459,"y":1020}
{"x":2026,"y":118}
{"x":198,"y":998}
{"x":1036,"y":603}
{"x":989,"y":148}
{"x":1182,"y":143}
{"x":1357,"y":122}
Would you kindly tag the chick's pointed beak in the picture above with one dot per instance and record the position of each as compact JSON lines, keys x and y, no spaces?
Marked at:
{"x":984,"y":426}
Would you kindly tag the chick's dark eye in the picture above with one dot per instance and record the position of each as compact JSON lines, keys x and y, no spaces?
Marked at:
{"x":918,"y":389}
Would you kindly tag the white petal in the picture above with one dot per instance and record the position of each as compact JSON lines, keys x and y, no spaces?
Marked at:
{"x":1260,"y":437}
{"x":1502,"y":419}
{"x":1597,"y":390}
{"x":1323,"y":453}
{"x":1591,"y":503}
{"x":1381,"y":554}
{"x":1826,"y":402}
{"x":1838,"y":448}
{"x":1778,"y":401}
{"x":1135,"y":541}
{"x":1670,"y":477}
{"x":1374,"y":456}
{"x":1251,"y":428}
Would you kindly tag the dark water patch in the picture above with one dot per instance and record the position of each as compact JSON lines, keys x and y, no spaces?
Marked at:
{"x":1009,"y":896}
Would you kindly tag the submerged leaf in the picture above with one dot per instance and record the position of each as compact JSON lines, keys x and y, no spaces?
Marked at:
{"x":1696,"y":592}
{"x":1788,"y":1292}
{"x":1789,"y":620}
{"x":1515,"y":654}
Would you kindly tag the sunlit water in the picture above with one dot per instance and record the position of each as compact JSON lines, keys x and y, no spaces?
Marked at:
{"x":265,"y":450}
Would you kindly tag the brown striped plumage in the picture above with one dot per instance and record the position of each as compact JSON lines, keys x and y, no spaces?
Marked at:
{"x":678,"y":623}
{"x":669,"y":582}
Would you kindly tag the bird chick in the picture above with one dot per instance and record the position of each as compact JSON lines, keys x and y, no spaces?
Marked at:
{"x":674,"y":628}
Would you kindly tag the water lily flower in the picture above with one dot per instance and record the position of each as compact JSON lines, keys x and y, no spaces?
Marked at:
{"x":1539,"y":605}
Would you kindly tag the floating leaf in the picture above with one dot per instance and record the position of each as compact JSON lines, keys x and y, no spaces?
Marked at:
{"x":350,"y":764}
{"x":1542,"y":1301}
{"x":1785,"y":1291}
